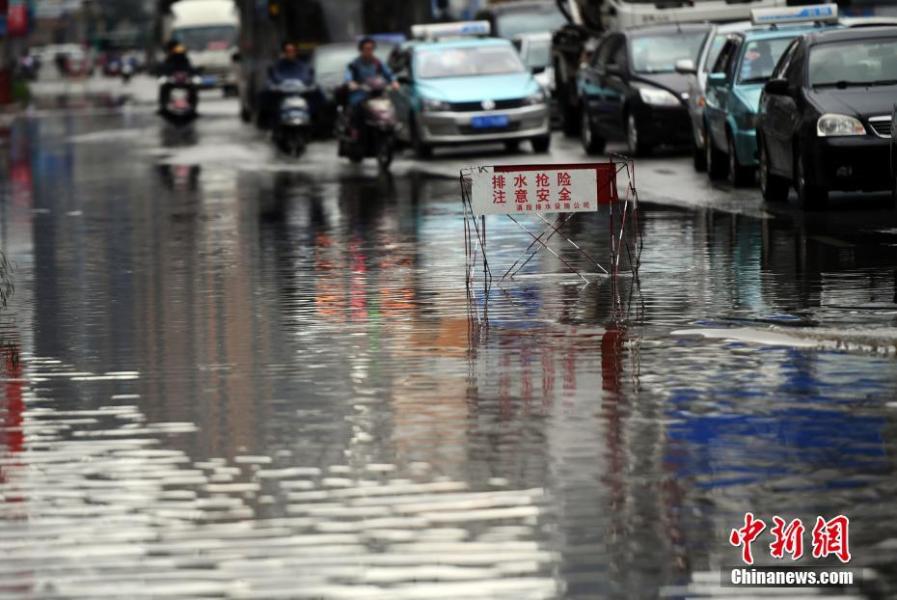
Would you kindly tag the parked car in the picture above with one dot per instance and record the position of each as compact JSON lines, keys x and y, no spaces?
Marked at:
{"x":826,"y":115}
{"x":535,"y":52}
{"x":697,"y":82}
{"x":734,"y":85}
{"x":631,"y":90}
{"x":467,"y":90}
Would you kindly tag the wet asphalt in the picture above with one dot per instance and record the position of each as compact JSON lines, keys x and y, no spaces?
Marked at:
{"x":228,"y":373}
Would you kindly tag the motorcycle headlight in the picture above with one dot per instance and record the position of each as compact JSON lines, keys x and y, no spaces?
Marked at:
{"x":657,"y":97}
{"x":430,"y":105}
{"x":838,"y":125}
{"x":537,"y":98}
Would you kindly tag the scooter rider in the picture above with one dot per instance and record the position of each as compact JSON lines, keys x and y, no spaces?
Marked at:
{"x":176,"y":61}
{"x":366,"y":66}
{"x":288,"y":66}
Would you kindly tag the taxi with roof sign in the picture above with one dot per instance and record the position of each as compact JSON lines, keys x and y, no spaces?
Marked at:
{"x":459,"y":86}
{"x":744,"y":64}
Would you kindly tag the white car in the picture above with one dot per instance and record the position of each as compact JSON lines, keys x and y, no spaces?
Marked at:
{"x":535,"y":51}
{"x":697,"y":86}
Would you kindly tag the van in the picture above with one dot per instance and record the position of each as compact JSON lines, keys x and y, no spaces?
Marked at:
{"x":209,"y":30}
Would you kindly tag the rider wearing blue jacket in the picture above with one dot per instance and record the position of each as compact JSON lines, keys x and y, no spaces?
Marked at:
{"x":366,"y":66}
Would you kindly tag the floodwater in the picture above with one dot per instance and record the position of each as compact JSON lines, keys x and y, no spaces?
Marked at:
{"x":229,"y":381}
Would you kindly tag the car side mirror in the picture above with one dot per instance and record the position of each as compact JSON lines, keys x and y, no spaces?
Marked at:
{"x":716,"y":79}
{"x":236,"y":57}
{"x":777,"y":87}
{"x":686,"y":66}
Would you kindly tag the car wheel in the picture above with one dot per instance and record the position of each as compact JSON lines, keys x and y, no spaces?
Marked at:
{"x":773,"y":187}
{"x":421,"y":150}
{"x":541,"y":144}
{"x":809,"y":195}
{"x":699,"y":159}
{"x":738,"y":175}
{"x":716,"y":160}
{"x":570,"y":113}
{"x":637,"y":147}
{"x":591,"y":143}
{"x":512,"y":145}
{"x":245,"y":115}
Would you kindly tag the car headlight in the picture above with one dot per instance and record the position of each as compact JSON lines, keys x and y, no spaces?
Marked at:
{"x":430,"y":105}
{"x":838,"y":125}
{"x":657,"y":97}
{"x":537,"y":98}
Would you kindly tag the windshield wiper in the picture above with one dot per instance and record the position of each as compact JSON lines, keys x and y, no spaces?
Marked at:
{"x":846,"y":84}
{"x":755,"y":80}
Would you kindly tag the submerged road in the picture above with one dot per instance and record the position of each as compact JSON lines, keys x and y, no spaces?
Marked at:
{"x":229,"y":374}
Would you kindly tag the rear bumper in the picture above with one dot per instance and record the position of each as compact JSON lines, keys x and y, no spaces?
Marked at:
{"x":850,"y":163}
{"x":455,"y":127}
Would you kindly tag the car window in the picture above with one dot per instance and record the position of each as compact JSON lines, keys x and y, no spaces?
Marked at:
{"x":854,"y":62}
{"x":603,"y":53}
{"x":782,"y":66}
{"x":467,"y":62}
{"x":794,"y":72}
{"x":716,"y":45}
{"x":725,"y":56}
{"x":760,"y":58}
{"x":619,"y":55}
{"x":659,"y":53}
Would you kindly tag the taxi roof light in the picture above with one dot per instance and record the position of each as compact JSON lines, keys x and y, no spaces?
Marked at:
{"x":450,"y":30}
{"x":818,"y":13}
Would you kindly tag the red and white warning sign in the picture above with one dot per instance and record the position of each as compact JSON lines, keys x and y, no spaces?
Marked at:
{"x":514,"y":189}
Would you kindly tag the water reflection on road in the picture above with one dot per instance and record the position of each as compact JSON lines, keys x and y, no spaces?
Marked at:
{"x":265,"y":384}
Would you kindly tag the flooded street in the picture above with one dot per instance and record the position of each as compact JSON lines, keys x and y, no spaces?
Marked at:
{"x":228,"y":374}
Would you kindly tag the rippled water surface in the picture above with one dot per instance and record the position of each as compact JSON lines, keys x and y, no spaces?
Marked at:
{"x":263,"y":383}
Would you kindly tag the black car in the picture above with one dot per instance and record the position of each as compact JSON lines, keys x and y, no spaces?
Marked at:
{"x":825,"y":115}
{"x":631,"y":90}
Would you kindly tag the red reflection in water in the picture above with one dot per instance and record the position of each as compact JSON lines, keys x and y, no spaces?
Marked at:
{"x":13,"y":407}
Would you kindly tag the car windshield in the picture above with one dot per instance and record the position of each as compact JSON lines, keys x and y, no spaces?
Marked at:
{"x":535,"y":20}
{"x":219,"y":37}
{"x":760,"y":58}
{"x":854,"y":63}
{"x":659,"y":53}
{"x":330,"y":63}
{"x":537,"y":54}
{"x":467,"y":62}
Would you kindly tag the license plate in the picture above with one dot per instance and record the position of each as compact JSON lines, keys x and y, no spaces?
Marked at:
{"x":209,"y":80}
{"x":489,"y":122}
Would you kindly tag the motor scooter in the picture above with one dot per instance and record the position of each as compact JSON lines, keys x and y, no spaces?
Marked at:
{"x":372,"y":133}
{"x":180,"y":103}
{"x":292,"y":125}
